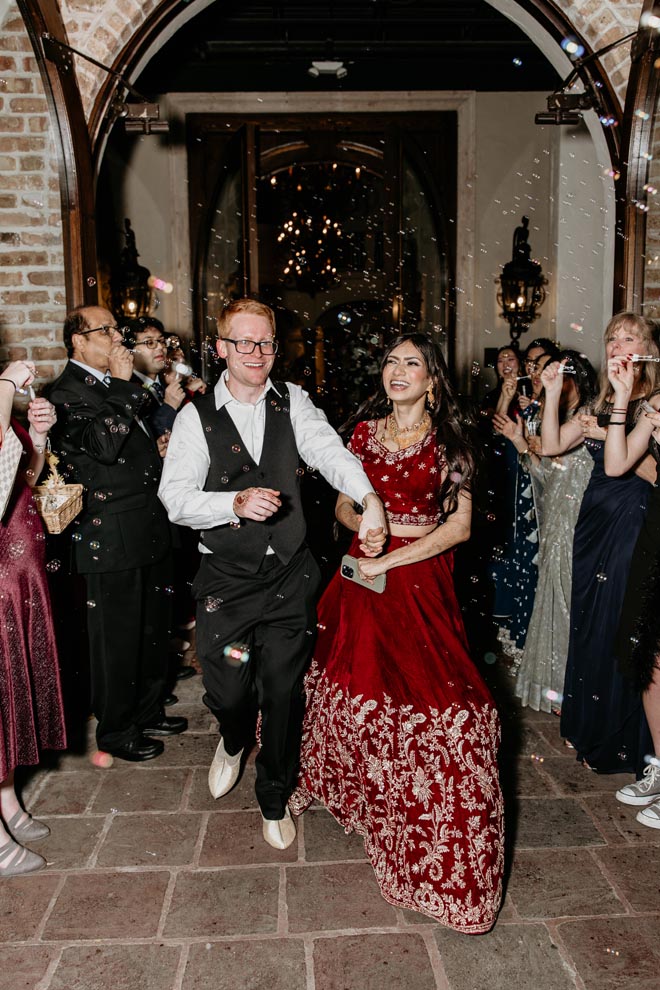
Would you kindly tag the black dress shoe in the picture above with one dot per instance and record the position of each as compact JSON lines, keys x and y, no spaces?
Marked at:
{"x":138,"y":750}
{"x":183,"y":673}
{"x":166,"y":726}
{"x":170,"y":699}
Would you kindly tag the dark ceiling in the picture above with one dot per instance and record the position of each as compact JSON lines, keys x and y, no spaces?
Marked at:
{"x":384,"y":44}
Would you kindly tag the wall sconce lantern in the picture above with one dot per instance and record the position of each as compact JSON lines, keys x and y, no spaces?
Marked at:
{"x":522,"y":285}
{"x":130,"y":293}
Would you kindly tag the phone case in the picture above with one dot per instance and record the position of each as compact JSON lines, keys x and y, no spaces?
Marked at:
{"x":349,"y":570}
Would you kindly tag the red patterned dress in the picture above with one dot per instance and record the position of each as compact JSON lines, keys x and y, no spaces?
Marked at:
{"x":401,"y":734}
{"x":31,"y":712}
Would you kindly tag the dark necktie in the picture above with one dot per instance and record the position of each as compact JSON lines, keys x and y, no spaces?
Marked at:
{"x":158,"y":391}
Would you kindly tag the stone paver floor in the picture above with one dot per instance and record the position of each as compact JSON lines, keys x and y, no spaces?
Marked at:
{"x":151,"y":885}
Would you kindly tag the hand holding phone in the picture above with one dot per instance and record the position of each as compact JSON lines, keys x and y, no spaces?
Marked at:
{"x":350,"y":571}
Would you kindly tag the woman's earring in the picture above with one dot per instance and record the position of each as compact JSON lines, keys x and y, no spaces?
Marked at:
{"x":430,"y":397}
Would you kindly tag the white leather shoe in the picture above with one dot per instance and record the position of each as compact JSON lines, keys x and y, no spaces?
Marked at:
{"x":281,"y":833}
{"x":224,"y":770}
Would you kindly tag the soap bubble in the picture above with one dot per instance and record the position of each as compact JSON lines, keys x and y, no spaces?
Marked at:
{"x":236,"y":653}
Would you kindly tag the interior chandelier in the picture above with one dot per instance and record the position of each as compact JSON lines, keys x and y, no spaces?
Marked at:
{"x":310,"y":245}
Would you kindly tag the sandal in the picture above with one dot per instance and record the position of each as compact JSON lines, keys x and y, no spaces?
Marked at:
{"x":16,"y":861}
{"x":28,"y":830}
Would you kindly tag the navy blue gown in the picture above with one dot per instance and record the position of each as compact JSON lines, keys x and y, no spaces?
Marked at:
{"x":602,"y":714}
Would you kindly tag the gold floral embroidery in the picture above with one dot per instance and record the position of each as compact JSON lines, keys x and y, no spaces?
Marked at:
{"x":422,"y":789}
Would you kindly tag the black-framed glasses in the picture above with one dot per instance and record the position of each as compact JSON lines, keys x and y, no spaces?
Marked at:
{"x":151,"y":342}
{"x":267,"y":347}
{"x":105,"y":330}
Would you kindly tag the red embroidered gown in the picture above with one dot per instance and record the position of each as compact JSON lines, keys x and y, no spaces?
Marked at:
{"x":401,"y":734}
{"x":31,"y":713}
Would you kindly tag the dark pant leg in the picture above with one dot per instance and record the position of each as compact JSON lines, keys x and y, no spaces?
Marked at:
{"x":156,"y":623}
{"x":283,"y":643}
{"x":127,"y":680}
{"x":273,"y":614}
{"x":228,"y":608}
{"x":114,"y":630}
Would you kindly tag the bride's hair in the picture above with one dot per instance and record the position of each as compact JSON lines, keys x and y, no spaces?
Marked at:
{"x":454,"y":430}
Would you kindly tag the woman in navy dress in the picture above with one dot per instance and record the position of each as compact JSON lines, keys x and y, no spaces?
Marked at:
{"x":601,"y":715}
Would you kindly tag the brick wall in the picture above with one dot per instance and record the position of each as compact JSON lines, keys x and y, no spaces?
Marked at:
{"x":32,"y":301}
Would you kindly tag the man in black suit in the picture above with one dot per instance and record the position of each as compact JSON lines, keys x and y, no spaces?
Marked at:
{"x":121,"y":542}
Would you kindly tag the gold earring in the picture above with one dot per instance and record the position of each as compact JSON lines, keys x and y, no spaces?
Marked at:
{"x":430,"y":396}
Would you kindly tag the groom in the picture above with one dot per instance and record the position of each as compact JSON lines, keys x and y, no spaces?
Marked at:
{"x":232,"y":471}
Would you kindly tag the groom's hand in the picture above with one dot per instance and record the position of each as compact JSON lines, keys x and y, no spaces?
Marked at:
{"x":373,"y":526}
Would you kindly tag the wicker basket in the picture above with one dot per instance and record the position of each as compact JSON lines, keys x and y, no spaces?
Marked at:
{"x":58,"y":505}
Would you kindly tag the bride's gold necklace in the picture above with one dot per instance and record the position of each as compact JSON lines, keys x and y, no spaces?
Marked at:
{"x":406,"y":436}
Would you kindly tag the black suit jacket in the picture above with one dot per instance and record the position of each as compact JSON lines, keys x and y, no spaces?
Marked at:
{"x":101,"y":446}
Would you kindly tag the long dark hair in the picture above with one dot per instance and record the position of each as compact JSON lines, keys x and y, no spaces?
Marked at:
{"x":454,"y":430}
{"x":585,"y":378}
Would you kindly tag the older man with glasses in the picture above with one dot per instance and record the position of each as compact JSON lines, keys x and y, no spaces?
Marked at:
{"x":121,"y":540}
{"x":232,"y":470}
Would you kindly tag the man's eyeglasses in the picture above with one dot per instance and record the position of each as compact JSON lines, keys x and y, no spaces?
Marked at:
{"x":151,"y":342}
{"x":247,"y":346}
{"x":106,"y":330}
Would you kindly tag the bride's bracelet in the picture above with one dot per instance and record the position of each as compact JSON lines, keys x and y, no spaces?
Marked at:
{"x":8,"y":380}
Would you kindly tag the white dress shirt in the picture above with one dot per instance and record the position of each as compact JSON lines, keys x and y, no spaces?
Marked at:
{"x":187,"y":461}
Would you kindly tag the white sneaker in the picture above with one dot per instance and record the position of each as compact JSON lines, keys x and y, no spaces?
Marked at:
{"x":644,"y":791}
{"x":224,"y":770}
{"x":280,"y":833}
{"x":650,"y":816}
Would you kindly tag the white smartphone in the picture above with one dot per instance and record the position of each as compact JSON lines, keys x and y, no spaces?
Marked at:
{"x":349,"y":570}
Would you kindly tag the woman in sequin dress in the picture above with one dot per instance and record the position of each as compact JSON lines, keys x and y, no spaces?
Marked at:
{"x":31,"y":714}
{"x":401,"y":734}
{"x":559,"y":484}
{"x":601,"y":714}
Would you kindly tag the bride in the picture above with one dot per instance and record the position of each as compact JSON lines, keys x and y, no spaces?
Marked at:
{"x":401,"y":734}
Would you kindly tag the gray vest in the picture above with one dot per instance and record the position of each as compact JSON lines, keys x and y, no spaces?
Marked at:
{"x":232,"y":469}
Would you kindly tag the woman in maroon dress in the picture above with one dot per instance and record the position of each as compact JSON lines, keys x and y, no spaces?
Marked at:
{"x":401,"y":733}
{"x":31,"y":715}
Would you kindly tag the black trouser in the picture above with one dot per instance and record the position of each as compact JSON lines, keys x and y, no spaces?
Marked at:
{"x":128,"y":629}
{"x":273,"y":614}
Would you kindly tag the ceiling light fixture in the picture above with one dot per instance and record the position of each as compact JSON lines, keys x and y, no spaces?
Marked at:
{"x":328,"y":67}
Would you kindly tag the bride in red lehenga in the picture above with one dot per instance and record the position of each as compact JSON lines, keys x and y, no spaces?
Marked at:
{"x":401,"y":734}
